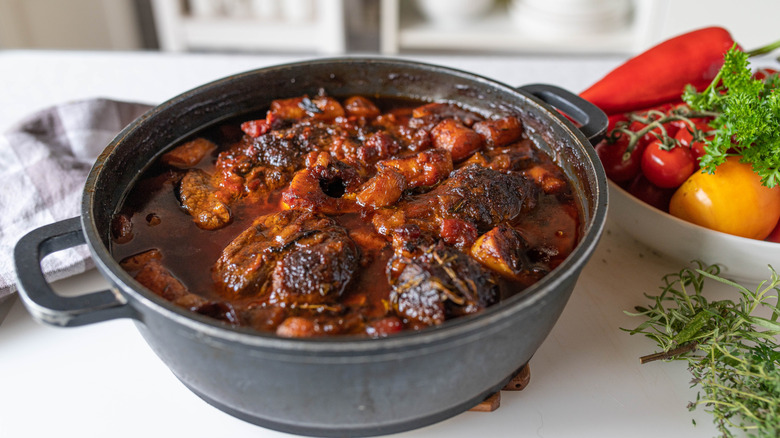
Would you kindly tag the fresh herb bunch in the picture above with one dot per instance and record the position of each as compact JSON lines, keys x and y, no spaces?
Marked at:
{"x":731,"y":352}
{"x":749,"y":117}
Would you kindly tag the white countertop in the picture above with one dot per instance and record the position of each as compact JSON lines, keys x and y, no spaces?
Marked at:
{"x":103,"y":381}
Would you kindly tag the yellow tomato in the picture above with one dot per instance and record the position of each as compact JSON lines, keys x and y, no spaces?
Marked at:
{"x":731,"y":200}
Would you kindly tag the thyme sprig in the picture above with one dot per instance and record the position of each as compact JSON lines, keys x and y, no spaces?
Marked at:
{"x":731,"y":351}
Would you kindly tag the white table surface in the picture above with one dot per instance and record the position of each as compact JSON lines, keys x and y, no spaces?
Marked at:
{"x":103,"y":381}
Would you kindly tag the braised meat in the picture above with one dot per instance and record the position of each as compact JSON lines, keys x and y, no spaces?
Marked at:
{"x":457,"y":139}
{"x":290,"y":257}
{"x":500,"y":132}
{"x":148,"y":269}
{"x":479,"y":195}
{"x":471,"y":201}
{"x":199,"y":198}
{"x":189,"y":154}
{"x":356,"y":216}
{"x":440,"y":283}
{"x":321,"y":186}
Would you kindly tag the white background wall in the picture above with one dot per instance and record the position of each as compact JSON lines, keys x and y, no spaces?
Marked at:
{"x":752,"y":23}
{"x":112,"y":24}
{"x":69,"y":24}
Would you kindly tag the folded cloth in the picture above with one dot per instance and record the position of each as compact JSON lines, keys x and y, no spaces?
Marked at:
{"x":44,"y":162}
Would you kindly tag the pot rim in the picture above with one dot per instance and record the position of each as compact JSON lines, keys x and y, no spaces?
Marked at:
{"x":459,"y":329}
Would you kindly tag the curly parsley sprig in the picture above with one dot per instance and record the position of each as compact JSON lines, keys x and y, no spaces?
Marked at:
{"x":732,"y":353}
{"x":749,"y":117}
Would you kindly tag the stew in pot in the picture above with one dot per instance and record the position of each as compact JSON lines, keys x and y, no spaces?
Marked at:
{"x":348,"y":216}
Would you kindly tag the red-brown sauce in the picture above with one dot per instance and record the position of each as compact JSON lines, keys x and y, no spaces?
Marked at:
{"x":348,"y":216}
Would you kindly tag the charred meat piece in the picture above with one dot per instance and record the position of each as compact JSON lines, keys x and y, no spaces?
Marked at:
{"x":316,"y":269}
{"x":288,"y":257}
{"x":265,"y":163}
{"x":475,"y":194}
{"x":471,"y":201}
{"x":484,"y":197}
{"x":199,"y":198}
{"x":189,"y":154}
{"x":409,"y":240}
{"x":296,"y":108}
{"x":377,"y":146}
{"x":439,"y":284}
{"x":505,"y":251}
{"x":456,"y":138}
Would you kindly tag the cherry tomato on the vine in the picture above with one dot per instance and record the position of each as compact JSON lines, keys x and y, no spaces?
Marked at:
{"x":612,"y":154}
{"x":685,"y":136}
{"x":650,"y":193}
{"x":667,"y":168}
{"x":774,"y":236}
{"x":686,"y":140}
{"x":763,"y":73}
{"x":614,"y":119}
{"x":654,"y":134}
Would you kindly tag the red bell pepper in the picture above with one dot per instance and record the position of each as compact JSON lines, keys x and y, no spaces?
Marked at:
{"x":660,"y":74}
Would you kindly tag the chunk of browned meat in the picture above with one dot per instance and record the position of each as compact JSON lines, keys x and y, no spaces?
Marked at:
{"x":188,"y":154}
{"x":359,"y":106}
{"x":515,"y":157}
{"x":316,"y":270}
{"x":264,"y":318}
{"x":199,"y":198}
{"x":378,"y":145}
{"x":424,"y":169}
{"x":436,"y":111}
{"x":439,"y":284}
{"x":307,"y":259}
{"x":319,"y":325}
{"x":550,"y":179}
{"x":147,"y":269}
{"x":121,"y":228}
{"x":500,"y":132}
{"x":503,"y":250}
{"x":258,"y":165}
{"x":456,"y":138}
{"x":321,"y":187}
{"x":481,"y":196}
{"x":383,"y":189}
{"x":296,"y":108}
{"x":134,"y":263}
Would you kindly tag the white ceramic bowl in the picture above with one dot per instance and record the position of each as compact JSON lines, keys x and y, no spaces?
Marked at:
{"x":741,"y":259}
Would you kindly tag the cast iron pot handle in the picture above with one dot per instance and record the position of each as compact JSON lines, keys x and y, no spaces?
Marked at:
{"x":42,"y":302}
{"x":593,"y":121}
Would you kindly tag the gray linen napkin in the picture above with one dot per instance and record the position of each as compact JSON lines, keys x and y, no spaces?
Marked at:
{"x":44,"y":162}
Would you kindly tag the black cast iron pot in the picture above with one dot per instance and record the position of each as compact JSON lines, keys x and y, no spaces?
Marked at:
{"x":340,"y":386}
